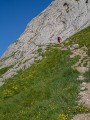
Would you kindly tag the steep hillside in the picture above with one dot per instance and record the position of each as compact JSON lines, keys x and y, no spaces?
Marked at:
{"x":61,"y":18}
{"x":49,"y":89}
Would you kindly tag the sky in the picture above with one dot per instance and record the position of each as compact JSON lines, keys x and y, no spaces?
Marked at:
{"x":14,"y":17}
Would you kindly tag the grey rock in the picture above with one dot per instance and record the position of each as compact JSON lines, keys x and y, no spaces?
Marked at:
{"x":8,"y":75}
{"x":82,"y":88}
{"x":1,"y":79}
{"x":43,"y":30}
{"x":83,"y":83}
{"x":81,"y":78}
{"x":39,"y":58}
{"x":1,"y":83}
{"x":74,"y":46}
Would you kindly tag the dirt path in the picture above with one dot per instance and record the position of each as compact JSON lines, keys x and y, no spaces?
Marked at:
{"x":82,"y":66}
{"x":82,"y":117}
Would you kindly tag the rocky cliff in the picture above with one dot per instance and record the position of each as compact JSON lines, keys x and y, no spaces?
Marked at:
{"x":61,"y":18}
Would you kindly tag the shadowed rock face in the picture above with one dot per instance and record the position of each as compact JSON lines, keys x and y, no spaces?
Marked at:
{"x":61,"y":18}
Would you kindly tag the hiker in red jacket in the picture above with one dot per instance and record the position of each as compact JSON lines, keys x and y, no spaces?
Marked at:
{"x":59,"y":40}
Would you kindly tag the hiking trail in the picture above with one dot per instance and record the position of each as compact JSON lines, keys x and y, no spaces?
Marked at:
{"x":82,"y":66}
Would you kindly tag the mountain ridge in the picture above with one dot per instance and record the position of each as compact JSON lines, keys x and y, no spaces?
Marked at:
{"x":60,"y":18}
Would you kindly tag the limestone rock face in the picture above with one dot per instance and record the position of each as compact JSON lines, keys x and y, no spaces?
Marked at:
{"x":61,"y":18}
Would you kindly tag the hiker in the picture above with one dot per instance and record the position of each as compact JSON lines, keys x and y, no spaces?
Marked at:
{"x":59,"y":40}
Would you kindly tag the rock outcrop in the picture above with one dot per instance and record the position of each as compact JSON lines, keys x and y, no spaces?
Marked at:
{"x":61,"y":18}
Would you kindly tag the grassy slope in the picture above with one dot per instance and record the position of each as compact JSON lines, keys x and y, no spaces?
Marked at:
{"x":82,"y":38}
{"x":47,"y":90}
